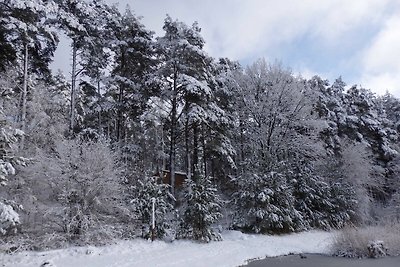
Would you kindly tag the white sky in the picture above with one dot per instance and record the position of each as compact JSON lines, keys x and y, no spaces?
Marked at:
{"x":356,"y":39}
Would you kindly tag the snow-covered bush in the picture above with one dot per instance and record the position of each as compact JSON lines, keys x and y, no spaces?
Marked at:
{"x":265,"y":204}
{"x":142,"y":193}
{"x":9,"y":219}
{"x":85,"y":180}
{"x":377,"y":249}
{"x":8,"y":139}
{"x":202,"y":208}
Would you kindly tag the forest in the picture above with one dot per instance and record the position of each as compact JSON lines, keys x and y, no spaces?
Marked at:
{"x":260,"y":149}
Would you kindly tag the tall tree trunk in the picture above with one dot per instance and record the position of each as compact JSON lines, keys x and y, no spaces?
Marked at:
{"x":99,"y":113}
{"x":24,"y":96}
{"x":187,"y":146}
{"x":172,"y":155}
{"x":195,"y":167}
{"x":73,"y":88}
{"x":241,"y":128}
{"x":119,"y":113}
{"x":203,"y":143}
{"x":163,"y":149}
{"x":120,"y":98}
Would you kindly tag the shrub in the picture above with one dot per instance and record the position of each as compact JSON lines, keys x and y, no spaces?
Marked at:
{"x":368,"y":241}
{"x":85,"y":181}
{"x":9,"y":220}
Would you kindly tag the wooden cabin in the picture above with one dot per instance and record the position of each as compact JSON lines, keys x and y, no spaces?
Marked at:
{"x":180,"y":178}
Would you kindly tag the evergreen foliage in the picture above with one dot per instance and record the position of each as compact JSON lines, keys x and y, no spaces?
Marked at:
{"x":202,"y":208}
{"x":143,"y":192}
{"x":265,"y":204}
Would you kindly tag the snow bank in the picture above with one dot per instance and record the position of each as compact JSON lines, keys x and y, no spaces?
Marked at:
{"x":235,"y":250}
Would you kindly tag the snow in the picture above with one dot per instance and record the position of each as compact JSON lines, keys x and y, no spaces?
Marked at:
{"x":235,"y":249}
{"x":9,"y":219}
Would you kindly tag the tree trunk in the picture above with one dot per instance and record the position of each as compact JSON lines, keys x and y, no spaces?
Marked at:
{"x":119,"y":113}
{"x":205,"y":156}
{"x":120,"y":98}
{"x":195,"y":167}
{"x":187,"y":147}
{"x":99,"y":113}
{"x":24,"y":96}
{"x":172,"y":153}
{"x":73,"y":88}
{"x":241,"y":129}
{"x":162,"y":149}
{"x":172,"y":157}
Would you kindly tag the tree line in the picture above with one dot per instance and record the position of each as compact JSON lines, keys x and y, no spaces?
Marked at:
{"x":270,"y":152}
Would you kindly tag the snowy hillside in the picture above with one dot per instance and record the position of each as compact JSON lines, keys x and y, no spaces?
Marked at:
{"x":235,"y":250}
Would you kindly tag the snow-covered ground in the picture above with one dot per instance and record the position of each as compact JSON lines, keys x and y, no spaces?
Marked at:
{"x":234,"y":250}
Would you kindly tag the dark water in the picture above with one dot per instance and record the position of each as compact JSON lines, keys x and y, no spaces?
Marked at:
{"x":316,"y":260}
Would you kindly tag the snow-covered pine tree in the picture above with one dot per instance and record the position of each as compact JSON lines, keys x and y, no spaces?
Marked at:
{"x":360,"y":136}
{"x":84,"y":22}
{"x":265,"y":204}
{"x":343,"y":204}
{"x":133,"y":51}
{"x":217,"y":121}
{"x":329,"y":106}
{"x":183,"y":78}
{"x":186,"y":78}
{"x":202,"y":208}
{"x":141,"y":193}
{"x":317,"y":200}
{"x":95,"y":59}
{"x":26,"y":30}
{"x":9,"y":218}
{"x":24,"y":25}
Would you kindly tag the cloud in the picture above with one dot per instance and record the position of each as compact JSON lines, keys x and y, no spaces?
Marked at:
{"x":242,"y":29}
{"x":382,"y":83}
{"x":339,"y":18}
{"x":358,"y":39}
{"x":381,"y":59}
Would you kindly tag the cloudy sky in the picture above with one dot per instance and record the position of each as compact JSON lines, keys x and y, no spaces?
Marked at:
{"x":356,"y":39}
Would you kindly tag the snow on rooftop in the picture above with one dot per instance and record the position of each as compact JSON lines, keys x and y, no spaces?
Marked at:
{"x":235,"y":250}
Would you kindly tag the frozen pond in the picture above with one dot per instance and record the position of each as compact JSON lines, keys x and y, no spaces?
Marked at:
{"x":317,"y":260}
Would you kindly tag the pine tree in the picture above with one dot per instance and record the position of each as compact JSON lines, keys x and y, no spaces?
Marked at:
{"x":26,"y":29}
{"x":84,"y":22}
{"x":185,"y":80}
{"x":317,"y":199}
{"x":142,"y":194}
{"x":201,"y":210}
{"x":9,"y":218}
{"x":25,"y":25}
{"x":134,"y":56}
{"x":217,"y":122}
{"x":265,"y":204}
